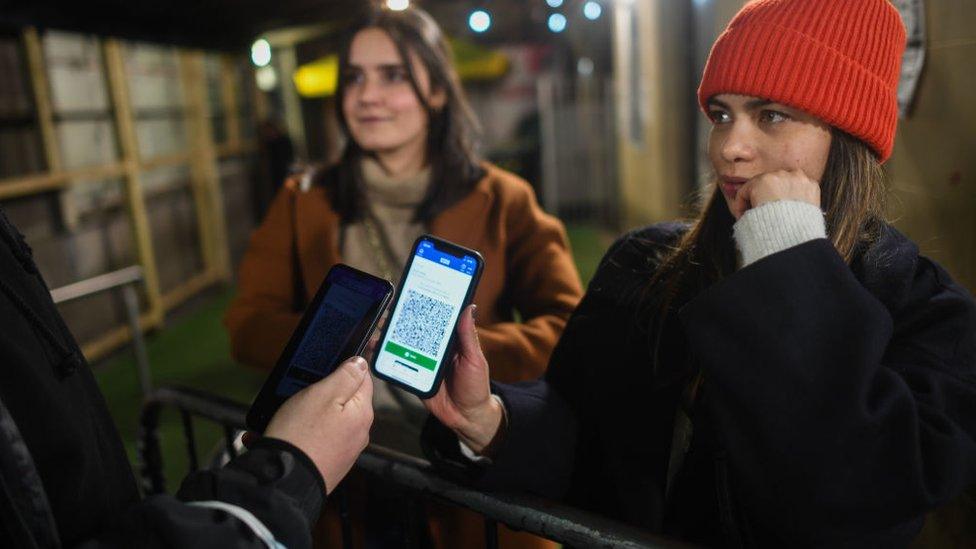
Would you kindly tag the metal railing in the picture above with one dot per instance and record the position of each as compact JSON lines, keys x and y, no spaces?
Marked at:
{"x":124,"y":280}
{"x":540,"y":517}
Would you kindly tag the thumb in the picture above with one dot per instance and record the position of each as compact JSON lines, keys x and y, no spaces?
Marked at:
{"x":741,"y":201}
{"x":365,"y":391}
{"x":345,"y":381}
{"x":469,"y":345}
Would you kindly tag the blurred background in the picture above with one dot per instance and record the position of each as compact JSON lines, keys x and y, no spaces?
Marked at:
{"x":155,"y":133}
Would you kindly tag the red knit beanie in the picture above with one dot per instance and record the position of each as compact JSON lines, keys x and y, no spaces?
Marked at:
{"x":838,"y":60}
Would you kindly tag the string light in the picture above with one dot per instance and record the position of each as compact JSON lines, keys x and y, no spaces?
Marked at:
{"x":557,"y":22}
{"x":261,"y":52}
{"x":592,"y":10}
{"x":479,"y":21}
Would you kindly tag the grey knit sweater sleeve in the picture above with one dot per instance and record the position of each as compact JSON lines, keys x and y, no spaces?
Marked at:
{"x":776,"y":226}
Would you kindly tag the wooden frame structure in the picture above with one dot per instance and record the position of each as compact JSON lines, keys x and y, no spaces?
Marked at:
{"x":201,"y":157}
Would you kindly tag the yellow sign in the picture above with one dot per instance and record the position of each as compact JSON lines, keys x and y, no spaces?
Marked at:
{"x":476,"y":63}
{"x":473,"y":63}
{"x":318,"y":78}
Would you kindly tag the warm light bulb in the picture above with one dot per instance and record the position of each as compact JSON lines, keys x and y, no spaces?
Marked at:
{"x":267,"y":78}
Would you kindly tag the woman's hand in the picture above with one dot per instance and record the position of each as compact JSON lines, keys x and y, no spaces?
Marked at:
{"x":773,"y":186}
{"x":329,"y":420}
{"x":464,"y":402}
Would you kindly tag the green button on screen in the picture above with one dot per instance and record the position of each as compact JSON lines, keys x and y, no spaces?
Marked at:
{"x":414,"y":357}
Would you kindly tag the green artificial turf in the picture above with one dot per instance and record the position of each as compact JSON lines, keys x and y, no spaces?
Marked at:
{"x":589,"y":244}
{"x":193,"y":350}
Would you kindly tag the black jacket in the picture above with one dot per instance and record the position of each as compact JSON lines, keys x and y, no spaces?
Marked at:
{"x":64,"y":476}
{"x":839,"y":402}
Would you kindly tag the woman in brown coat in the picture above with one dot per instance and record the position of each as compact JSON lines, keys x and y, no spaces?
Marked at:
{"x":528,"y":269}
{"x":408,"y":168}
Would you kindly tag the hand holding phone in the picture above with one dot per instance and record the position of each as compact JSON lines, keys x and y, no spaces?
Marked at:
{"x":329,"y":420}
{"x":336,"y":326}
{"x":438,"y":282}
{"x":464,"y":403}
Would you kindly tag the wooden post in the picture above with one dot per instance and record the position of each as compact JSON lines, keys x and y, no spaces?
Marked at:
{"x":287,"y":64}
{"x":42,"y":99}
{"x":125,"y":126}
{"x":45,"y":119}
{"x":204,"y":175}
{"x":261,"y":110}
{"x":228,"y":95}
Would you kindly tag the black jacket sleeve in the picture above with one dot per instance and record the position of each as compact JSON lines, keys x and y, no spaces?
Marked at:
{"x":273,"y":481}
{"x":839,"y":414}
{"x":535,"y":455}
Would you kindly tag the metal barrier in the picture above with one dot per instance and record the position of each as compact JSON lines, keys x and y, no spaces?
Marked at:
{"x":125,"y":281}
{"x":543,"y":518}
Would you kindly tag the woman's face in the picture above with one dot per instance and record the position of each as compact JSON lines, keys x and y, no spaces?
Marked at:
{"x":383,"y":113}
{"x":751,"y":136}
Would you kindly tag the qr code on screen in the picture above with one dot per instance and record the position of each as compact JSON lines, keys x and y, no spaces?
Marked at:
{"x":422,"y":324}
{"x":324,"y":339}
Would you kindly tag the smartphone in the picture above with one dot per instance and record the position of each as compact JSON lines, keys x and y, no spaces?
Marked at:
{"x":438,"y":282}
{"x":336,"y":325}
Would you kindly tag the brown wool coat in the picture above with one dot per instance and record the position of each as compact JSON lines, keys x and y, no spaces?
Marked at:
{"x":528,"y":269}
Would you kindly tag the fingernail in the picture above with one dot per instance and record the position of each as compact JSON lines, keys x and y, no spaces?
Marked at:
{"x":474,"y":312}
{"x":360,"y":363}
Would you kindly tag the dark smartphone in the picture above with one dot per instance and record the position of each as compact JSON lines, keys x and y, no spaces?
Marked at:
{"x":337,"y":325}
{"x":437,"y":284}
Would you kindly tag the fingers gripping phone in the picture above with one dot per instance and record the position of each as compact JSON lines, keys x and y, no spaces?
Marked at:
{"x":437,"y":284}
{"x":336,"y":325}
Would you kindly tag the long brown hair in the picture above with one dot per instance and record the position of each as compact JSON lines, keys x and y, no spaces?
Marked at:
{"x":451,"y":130}
{"x":852,"y":195}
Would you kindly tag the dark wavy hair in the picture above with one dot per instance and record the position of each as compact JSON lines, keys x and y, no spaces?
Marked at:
{"x":451,"y":130}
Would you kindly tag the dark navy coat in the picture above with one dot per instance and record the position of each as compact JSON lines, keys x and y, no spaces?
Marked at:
{"x":838,"y":407}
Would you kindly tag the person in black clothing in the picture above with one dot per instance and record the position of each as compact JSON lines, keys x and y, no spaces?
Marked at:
{"x":786,"y":370}
{"x":64,"y":476}
{"x":277,"y":158}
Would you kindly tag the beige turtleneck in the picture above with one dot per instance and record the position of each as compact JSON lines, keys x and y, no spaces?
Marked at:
{"x":393,"y":201}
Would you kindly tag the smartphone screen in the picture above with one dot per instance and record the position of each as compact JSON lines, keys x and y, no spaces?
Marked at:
{"x":346,"y":303}
{"x":432,"y":293}
{"x":336,"y":326}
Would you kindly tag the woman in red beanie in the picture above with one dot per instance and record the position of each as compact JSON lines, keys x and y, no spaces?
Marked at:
{"x":784,"y":370}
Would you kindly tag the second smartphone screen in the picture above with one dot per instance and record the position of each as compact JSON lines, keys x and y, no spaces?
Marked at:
{"x":420,"y":328}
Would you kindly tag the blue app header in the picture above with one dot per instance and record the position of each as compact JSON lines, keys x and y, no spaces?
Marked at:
{"x":466,"y":264}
